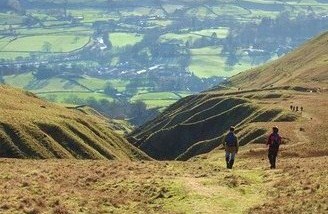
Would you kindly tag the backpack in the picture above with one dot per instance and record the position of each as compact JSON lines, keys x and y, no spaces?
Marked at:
{"x":231,"y":140}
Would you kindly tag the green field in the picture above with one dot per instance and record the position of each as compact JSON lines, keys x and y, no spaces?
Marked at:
{"x":207,"y":62}
{"x":99,"y":84}
{"x":19,"y":81}
{"x":58,"y":43}
{"x":124,"y":39}
{"x":10,"y":18}
{"x":194,"y":35}
{"x":92,"y":15}
{"x":161,"y":23}
{"x":67,"y":97}
{"x":28,"y":82}
{"x":184,"y":37}
{"x":159,"y":99}
{"x":79,"y":30}
{"x":221,"y":32}
{"x":263,"y":13}
{"x":230,"y":10}
{"x":60,"y":90}
{"x":201,"y":12}
{"x":137,"y":11}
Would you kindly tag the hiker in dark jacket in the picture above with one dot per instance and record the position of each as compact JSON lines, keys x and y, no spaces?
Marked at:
{"x":274,"y":142}
{"x":231,"y":147}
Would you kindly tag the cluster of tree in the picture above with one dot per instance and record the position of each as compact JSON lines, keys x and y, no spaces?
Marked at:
{"x":13,"y":5}
{"x":47,"y":71}
{"x":137,"y":112}
{"x":13,"y":69}
{"x":110,"y":90}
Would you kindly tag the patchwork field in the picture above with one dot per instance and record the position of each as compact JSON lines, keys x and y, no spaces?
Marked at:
{"x":70,"y":90}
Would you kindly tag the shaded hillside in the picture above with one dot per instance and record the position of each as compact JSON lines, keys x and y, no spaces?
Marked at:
{"x":197,"y":124}
{"x":307,"y":66}
{"x":33,"y":128}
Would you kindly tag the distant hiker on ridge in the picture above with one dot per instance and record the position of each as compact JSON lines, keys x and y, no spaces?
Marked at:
{"x":274,"y":142}
{"x":231,"y":147}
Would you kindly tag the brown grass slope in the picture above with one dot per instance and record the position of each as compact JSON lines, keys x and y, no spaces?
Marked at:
{"x":307,"y":67}
{"x":33,"y":128}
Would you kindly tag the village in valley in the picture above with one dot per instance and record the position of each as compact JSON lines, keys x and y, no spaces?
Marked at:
{"x":154,"y":52}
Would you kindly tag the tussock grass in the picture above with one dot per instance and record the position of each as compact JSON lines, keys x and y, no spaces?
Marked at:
{"x":73,"y":186}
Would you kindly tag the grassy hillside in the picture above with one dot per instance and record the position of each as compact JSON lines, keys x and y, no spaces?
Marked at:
{"x":198,"y":123}
{"x":200,"y":185}
{"x":307,"y":66}
{"x":33,"y":128}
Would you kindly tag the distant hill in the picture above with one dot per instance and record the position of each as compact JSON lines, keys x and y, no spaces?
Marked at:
{"x":197,"y":124}
{"x":33,"y":128}
{"x":307,"y":66}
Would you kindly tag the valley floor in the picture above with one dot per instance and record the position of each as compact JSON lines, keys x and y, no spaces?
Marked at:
{"x":201,"y":185}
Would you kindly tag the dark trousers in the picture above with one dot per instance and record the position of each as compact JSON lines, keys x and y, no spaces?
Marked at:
{"x":272,"y":155}
{"x":230,"y":159}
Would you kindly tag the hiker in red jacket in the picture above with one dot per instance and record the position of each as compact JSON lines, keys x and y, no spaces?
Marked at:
{"x":274,"y":142}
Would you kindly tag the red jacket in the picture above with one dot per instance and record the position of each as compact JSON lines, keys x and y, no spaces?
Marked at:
{"x":274,"y":137}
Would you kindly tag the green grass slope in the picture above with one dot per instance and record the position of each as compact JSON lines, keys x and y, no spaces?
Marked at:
{"x":33,"y":128}
{"x":197,"y":124}
{"x":307,"y":66}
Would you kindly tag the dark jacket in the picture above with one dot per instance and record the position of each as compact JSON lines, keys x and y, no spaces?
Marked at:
{"x":231,"y":142}
{"x":274,"y":141}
